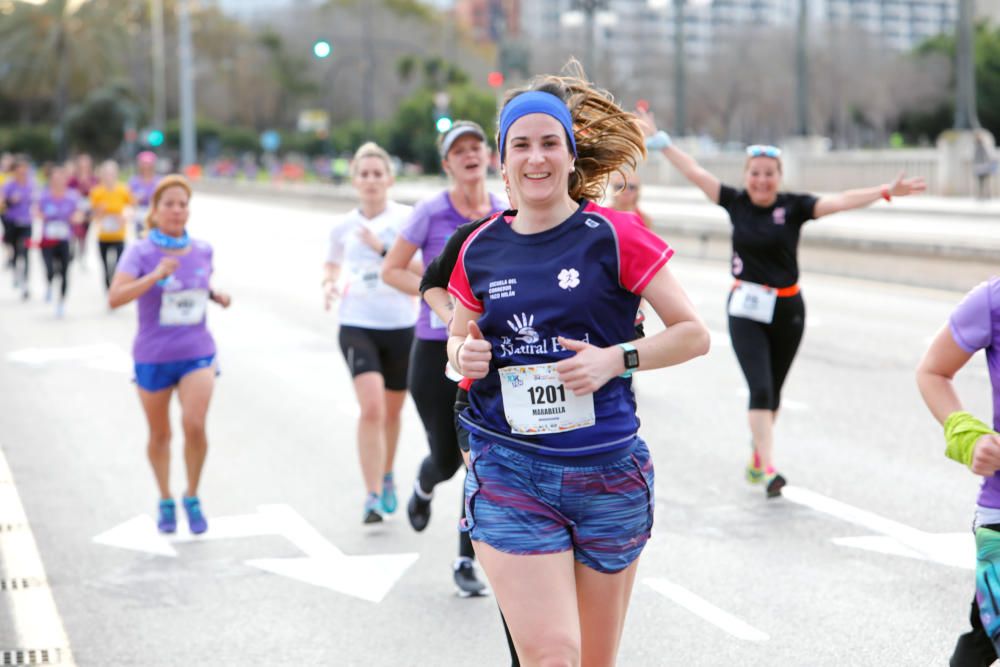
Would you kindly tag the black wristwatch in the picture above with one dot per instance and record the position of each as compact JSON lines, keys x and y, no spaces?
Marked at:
{"x":631,"y":359}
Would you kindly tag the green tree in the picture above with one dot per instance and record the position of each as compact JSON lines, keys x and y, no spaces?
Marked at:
{"x":412,"y":135}
{"x":46,"y":49}
{"x":289,"y":71}
{"x":97,"y":125}
{"x":987,"y":62}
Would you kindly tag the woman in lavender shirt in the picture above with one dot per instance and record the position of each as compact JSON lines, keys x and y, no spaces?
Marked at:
{"x":169,"y":273}
{"x":973,"y":326}
{"x":465,"y":157}
{"x":142,"y":185}
{"x":57,"y":209}
{"x":18,"y":197}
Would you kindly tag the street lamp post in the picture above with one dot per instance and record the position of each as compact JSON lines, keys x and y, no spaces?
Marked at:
{"x":802,"y":69}
{"x":188,"y":139}
{"x":680,"y":74}
{"x":159,"y":73}
{"x":965,"y":100}
{"x":589,"y":9}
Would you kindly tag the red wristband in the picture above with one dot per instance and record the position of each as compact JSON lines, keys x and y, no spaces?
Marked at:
{"x":885,"y":193}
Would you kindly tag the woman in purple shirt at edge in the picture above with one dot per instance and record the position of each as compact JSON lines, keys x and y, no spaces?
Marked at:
{"x":465,"y":157}
{"x":142,"y":185}
{"x":18,"y":197}
{"x":169,"y":273}
{"x":974,"y":325}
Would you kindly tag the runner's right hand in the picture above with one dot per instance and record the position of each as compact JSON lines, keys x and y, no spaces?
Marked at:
{"x":330,"y":294}
{"x":475,"y":354}
{"x":986,"y":455}
{"x":166,"y":267}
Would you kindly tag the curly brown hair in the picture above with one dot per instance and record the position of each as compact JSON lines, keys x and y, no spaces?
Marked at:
{"x":608,"y":138}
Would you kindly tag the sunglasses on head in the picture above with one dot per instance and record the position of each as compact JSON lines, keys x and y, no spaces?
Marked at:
{"x":759,"y":150}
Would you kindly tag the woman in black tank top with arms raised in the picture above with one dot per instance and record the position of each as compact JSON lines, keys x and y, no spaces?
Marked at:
{"x":765,"y":306}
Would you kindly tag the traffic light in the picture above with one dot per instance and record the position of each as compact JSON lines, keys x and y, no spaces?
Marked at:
{"x":442,"y":112}
{"x":444,"y":124}
{"x":154,"y":138}
{"x":322,"y":48}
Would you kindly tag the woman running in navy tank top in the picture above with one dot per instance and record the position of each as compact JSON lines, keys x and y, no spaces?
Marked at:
{"x":559,"y":496}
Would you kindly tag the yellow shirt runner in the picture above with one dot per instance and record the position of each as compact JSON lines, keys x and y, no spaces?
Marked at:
{"x":108,"y":208}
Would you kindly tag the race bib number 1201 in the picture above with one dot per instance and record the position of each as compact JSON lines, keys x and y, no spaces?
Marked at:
{"x":536,"y":402}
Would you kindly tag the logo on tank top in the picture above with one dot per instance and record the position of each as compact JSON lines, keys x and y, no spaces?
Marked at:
{"x":779,"y":215}
{"x":523,"y":328}
{"x":528,"y":341}
{"x":569,"y":278}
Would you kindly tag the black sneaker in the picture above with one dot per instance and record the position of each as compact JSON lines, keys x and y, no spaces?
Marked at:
{"x":418,"y":510}
{"x":467,"y":578}
{"x":774,"y":483}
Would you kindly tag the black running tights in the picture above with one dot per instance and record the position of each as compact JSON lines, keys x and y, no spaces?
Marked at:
{"x":56,"y":260}
{"x":434,"y":395}
{"x":111,"y":252}
{"x":766,"y":351}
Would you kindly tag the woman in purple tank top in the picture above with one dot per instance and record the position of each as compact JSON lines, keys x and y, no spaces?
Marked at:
{"x":465,"y":156}
{"x":974,"y":325}
{"x":169,"y":274}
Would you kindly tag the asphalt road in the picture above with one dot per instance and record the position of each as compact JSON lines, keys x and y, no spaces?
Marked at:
{"x":728,"y":578}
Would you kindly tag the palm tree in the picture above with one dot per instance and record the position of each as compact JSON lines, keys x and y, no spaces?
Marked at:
{"x":47,"y":48}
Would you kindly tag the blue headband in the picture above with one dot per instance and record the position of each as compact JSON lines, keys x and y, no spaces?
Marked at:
{"x":531,"y":102}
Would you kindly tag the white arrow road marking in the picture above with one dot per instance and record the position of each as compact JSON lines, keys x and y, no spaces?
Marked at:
{"x":99,"y":356}
{"x":37,"y":624}
{"x":952,"y":549}
{"x":366,"y":577}
{"x":706,"y":610}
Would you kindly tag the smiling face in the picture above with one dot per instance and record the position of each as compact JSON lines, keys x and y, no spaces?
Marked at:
{"x":467,"y":160}
{"x":537,"y":161}
{"x":171,"y":210}
{"x":371,"y":179}
{"x":762,"y":177}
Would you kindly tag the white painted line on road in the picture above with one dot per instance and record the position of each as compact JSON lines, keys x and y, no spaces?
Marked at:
{"x":37,"y":624}
{"x":952,"y":549}
{"x":706,"y":610}
{"x":369,"y":577}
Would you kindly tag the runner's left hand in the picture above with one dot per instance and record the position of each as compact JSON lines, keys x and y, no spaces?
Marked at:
{"x":222,"y":298}
{"x":590,"y":368}
{"x":903,"y":186}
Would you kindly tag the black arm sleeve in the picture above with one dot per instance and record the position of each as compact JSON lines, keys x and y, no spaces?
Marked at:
{"x":439,"y":271}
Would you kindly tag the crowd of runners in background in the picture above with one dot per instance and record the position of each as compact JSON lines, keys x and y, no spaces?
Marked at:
{"x":513,"y":321}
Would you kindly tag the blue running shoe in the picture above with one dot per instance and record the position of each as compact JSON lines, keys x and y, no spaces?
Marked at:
{"x":373,"y":510}
{"x":197,"y":523}
{"x":167,"y":521}
{"x":389,"y":500}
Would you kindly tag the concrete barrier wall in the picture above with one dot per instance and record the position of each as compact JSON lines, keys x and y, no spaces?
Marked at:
{"x":828,"y":172}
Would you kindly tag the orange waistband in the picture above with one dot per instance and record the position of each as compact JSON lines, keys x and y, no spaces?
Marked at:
{"x":791,"y":290}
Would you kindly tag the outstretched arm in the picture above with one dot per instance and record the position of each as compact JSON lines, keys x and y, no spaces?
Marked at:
{"x":681,"y":161}
{"x":849,"y":199}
